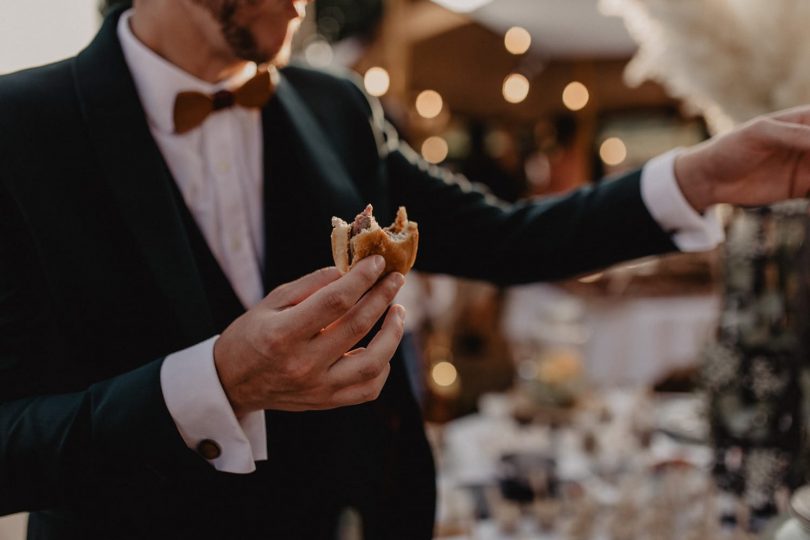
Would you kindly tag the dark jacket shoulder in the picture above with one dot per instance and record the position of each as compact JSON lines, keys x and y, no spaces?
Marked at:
{"x":354,"y":120}
{"x":35,"y":89}
{"x":34,"y":104}
{"x":338,"y":87}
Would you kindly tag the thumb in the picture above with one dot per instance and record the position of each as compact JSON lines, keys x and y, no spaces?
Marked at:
{"x":297,"y":291}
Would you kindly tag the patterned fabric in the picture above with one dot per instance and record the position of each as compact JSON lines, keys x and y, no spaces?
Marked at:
{"x":754,"y":369}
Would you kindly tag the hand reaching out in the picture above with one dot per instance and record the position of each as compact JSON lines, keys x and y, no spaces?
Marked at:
{"x":764,"y":161}
{"x":294,"y":351}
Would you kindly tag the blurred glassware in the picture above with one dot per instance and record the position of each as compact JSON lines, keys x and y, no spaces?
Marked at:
{"x":551,"y":371}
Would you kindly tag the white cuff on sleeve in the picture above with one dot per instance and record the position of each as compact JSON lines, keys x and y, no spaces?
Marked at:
{"x":201,"y":411}
{"x":668,"y":206}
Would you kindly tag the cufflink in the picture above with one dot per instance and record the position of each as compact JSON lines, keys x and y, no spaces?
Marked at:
{"x":209,"y":449}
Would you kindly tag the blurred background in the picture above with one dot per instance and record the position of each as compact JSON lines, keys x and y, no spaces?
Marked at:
{"x":631,"y":403}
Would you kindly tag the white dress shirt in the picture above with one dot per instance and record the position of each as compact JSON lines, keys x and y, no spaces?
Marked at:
{"x":218,"y":168}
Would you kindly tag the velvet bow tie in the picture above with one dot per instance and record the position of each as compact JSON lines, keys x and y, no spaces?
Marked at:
{"x":192,"y":108}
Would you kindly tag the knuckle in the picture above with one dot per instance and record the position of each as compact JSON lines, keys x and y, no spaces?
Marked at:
{"x":359,"y":326}
{"x":369,"y":394}
{"x":370,"y":273}
{"x":333,"y":387}
{"x":369,"y":371}
{"x":274,"y":339}
{"x":295,"y":369}
{"x":281,"y":291}
{"x":337,"y":301}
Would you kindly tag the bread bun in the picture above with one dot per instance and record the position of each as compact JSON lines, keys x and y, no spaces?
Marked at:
{"x":356,"y":241}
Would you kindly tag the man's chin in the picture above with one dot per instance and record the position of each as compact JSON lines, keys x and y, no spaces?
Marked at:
{"x":280,"y":59}
{"x":278,"y":54}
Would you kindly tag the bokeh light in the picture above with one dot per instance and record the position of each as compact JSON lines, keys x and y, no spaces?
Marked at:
{"x":516,"y":88}
{"x":613,"y":151}
{"x":319,"y":53}
{"x":377,"y":81}
{"x":517,"y":40}
{"x":444,"y":374}
{"x":575,"y":96}
{"x":429,"y":104}
{"x":435,"y":149}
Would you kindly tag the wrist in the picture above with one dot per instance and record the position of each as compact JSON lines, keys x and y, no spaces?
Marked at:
{"x":697,"y":186}
{"x":220,"y":364}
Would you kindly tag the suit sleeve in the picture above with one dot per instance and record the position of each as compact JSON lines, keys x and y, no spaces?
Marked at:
{"x":468,"y":233}
{"x":55,"y":446}
{"x":465,"y":232}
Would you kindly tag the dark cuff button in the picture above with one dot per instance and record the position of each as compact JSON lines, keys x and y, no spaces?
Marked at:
{"x":209,"y":449}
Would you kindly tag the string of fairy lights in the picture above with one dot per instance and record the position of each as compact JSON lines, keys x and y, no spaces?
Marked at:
{"x":516,"y":88}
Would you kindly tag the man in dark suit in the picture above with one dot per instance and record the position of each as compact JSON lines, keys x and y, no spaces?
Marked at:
{"x":166,"y":372}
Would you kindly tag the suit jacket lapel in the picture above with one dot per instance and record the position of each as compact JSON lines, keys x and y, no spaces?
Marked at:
{"x":138,"y":177}
{"x":306,"y":184}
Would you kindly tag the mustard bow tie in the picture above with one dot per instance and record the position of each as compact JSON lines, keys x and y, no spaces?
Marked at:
{"x":192,"y":108}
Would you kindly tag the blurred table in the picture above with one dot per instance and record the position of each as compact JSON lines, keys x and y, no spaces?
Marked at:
{"x":631,"y":340}
{"x":639,"y":340}
{"x":625,"y":466}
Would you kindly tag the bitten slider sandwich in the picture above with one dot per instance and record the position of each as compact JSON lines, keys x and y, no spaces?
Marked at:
{"x":364,"y":237}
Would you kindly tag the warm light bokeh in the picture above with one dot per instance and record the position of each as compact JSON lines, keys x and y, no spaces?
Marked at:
{"x":444,"y":374}
{"x":517,"y":40}
{"x":319,"y":53}
{"x":429,"y":104}
{"x":435,"y":149}
{"x":575,"y":96}
{"x":377,"y":81}
{"x":613,"y":151}
{"x":516,"y":88}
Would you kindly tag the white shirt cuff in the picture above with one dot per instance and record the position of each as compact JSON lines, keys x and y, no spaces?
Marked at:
{"x":668,"y":206}
{"x":200,"y":410}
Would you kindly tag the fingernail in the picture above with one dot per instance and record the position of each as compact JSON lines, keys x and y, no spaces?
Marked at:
{"x":399,"y":311}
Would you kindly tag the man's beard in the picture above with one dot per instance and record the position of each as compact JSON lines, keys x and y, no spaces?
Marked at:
{"x":238,"y":36}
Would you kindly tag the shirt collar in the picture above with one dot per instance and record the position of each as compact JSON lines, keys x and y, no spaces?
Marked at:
{"x":158,"y":81}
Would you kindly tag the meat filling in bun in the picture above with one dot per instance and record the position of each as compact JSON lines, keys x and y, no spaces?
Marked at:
{"x":363,"y":237}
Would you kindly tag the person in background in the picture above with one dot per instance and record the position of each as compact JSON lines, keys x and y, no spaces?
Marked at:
{"x":177,"y":357}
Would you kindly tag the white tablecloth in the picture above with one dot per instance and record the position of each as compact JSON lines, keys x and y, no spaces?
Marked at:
{"x":632,"y":341}
{"x":636,"y":341}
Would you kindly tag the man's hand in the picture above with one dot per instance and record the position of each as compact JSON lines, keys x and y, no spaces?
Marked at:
{"x":764,"y":161}
{"x":293,"y":351}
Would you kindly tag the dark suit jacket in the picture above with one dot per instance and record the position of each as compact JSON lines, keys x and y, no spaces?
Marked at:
{"x":99,"y":282}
